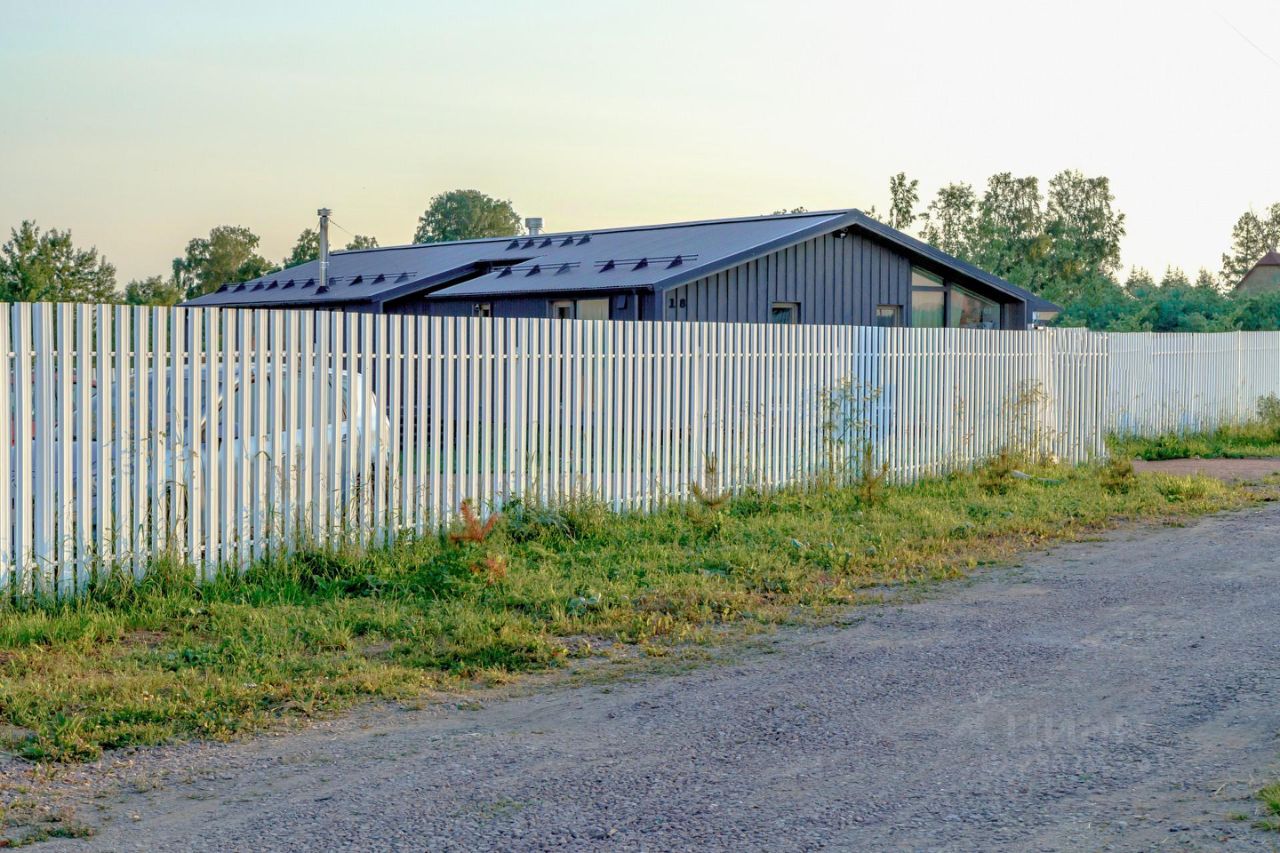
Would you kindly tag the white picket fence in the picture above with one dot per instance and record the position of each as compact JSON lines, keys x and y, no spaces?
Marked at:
{"x":216,"y":436}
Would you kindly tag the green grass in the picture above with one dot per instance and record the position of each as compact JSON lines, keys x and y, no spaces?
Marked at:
{"x":163,"y":660}
{"x":1259,"y":437}
{"x":1269,"y":798}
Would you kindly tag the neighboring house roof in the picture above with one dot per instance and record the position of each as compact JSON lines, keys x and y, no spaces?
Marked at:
{"x":1270,"y":259}
{"x":1264,"y":275}
{"x":655,"y":257}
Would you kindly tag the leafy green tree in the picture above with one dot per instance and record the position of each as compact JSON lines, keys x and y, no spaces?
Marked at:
{"x":228,"y":254}
{"x":307,"y":248}
{"x":1083,"y":227}
{"x":1100,"y":304}
{"x":1010,"y":240}
{"x":153,"y":290}
{"x":1252,"y":236}
{"x":904,"y":195}
{"x":466,"y":215}
{"x":361,"y":241}
{"x":47,"y":266}
{"x":950,"y":222}
{"x":1256,"y":312}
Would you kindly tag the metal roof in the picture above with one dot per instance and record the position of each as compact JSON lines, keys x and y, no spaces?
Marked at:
{"x":654,"y":257}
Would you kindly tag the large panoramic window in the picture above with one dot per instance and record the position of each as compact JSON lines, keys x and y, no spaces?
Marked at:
{"x":928,"y":300}
{"x":971,"y":311}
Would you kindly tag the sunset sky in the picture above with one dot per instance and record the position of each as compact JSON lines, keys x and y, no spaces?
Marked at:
{"x":139,"y":125}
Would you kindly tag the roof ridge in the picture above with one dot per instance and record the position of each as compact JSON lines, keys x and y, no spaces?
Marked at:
{"x":658,"y":226}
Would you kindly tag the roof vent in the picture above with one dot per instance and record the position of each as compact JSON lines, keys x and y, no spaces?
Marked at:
{"x":357,"y":279}
{"x":324,"y":288}
{"x":675,"y":262}
{"x":564,"y":268}
{"x":534,"y":224}
{"x":311,"y":282}
{"x":568,"y":241}
{"x":586,"y":238}
{"x":534,"y":270}
{"x":381,"y":278}
{"x":224,"y":288}
{"x":545,"y":243}
{"x":608,"y":265}
{"x":275,"y":282}
{"x":504,"y":272}
{"x":514,"y":244}
{"x":528,"y":244}
{"x":641,"y":264}
{"x":259,"y":286}
{"x":288,"y":284}
{"x":238,"y":288}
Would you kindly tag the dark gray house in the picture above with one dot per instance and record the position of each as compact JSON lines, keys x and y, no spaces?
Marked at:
{"x":836,"y":267}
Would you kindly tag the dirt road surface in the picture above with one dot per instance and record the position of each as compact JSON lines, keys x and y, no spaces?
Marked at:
{"x":1114,"y":694}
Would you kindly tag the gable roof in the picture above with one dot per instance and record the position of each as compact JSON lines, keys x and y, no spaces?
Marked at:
{"x":1270,"y":259}
{"x":654,"y":257}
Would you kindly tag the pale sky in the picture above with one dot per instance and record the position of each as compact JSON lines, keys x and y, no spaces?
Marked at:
{"x":139,"y":125}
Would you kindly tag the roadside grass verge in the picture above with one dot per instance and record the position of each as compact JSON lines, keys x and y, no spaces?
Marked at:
{"x":164,"y":659}
{"x":1259,"y":437}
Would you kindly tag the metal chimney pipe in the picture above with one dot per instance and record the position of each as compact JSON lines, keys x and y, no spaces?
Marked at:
{"x":324,"y":214}
{"x":534,"y":225}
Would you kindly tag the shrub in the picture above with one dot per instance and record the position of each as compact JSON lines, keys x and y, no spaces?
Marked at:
{"x":996,"y":477}
{"x":1118,"y":476}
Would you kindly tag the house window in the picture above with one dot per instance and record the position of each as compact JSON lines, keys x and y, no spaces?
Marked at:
{"x":888,"y":316}
{"x":482,"y":309}
{"x":970,"y":311}
{"x":785,"y":313}
{"x":592,"y":309}
{"x":562,"y":309}
{"x":928,"y":300}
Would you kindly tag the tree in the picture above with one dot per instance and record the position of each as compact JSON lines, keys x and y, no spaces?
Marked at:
{"x":228,"y":254}
{"x":153,"y":290}
{"x":307,"y":248}
{"x":1010,"y":239}
{"x":783,"y":211}
{"x":1083,"y":228}
{"x":904,"y":195}
{"x":361,"y":241}
{"x":950,"y":221}
{"x":466,"y":215}
{"x":47,"y":266}
{"x":1252,"y":236}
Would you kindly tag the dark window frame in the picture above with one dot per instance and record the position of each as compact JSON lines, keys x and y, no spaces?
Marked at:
{"x":897,"y":314}
{"x":792,"y":307}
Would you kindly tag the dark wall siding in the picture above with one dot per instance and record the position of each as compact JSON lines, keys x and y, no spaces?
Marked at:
{"x":836,"y":280}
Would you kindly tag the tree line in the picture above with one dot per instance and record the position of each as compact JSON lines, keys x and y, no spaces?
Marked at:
{"x":46,"y":266}
{"x":1061,"y":241}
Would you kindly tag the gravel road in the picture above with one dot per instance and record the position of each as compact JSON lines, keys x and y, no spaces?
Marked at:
{"x":1115,"y":694}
